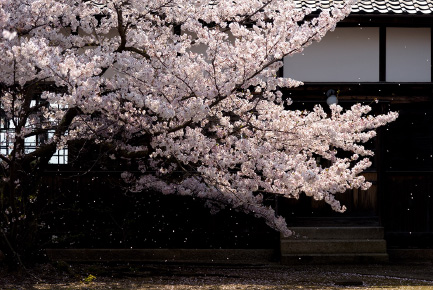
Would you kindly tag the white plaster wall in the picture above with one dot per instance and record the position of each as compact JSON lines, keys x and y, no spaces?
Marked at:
{"x":408,"y":54}
{"x":348,"y":54}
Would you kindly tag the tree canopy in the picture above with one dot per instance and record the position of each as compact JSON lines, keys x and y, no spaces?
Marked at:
{"x":189,"y":90}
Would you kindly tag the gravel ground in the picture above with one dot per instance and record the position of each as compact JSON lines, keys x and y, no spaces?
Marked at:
{"x":212,"y":277}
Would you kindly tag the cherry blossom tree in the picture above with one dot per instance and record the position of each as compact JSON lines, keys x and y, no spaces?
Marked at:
{"x":187,"y":89}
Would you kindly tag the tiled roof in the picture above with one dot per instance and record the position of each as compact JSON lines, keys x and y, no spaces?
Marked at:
{"x":372,"y":6}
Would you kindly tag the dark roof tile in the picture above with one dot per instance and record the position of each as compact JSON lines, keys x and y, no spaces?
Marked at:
{"x":371,"y":6}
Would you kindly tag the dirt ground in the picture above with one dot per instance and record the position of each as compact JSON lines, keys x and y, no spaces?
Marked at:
{"x":211,"y":277}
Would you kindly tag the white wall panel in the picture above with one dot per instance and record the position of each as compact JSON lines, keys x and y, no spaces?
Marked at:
{"x":347,"y":54}
{"x":408,"y":54}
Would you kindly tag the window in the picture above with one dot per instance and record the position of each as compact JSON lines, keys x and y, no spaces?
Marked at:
{"x":7,"y":134}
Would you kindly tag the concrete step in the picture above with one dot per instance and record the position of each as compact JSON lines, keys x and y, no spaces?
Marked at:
{"x":334,"y":222}
{"x":301,"y":247}
{"x":358,"y":258}
{"x":336,"y":233}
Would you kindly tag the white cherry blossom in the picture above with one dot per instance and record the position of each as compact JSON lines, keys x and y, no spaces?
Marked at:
{"x":188,"y":89}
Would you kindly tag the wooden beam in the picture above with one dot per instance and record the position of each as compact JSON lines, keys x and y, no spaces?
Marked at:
{"x":390,"y":20}
{"x":382,"y":54}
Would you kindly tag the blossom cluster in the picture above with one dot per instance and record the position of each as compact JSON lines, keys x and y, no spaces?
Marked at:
{"x":191,"y":88}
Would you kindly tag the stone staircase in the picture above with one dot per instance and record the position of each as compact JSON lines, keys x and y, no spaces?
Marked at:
{"x":338,"y":243}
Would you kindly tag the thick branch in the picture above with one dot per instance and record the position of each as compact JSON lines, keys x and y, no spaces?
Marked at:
{"x":138,"y":51}
{"x":48,"y":150}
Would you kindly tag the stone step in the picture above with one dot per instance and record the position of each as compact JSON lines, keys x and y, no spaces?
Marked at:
{"x":336,"y":233}
{"x":301,"y":247}
{"x":354,"y":258}
{"x":334,"y":222}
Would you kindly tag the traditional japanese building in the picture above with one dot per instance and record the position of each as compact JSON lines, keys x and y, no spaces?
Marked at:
{"x":382,"y":52}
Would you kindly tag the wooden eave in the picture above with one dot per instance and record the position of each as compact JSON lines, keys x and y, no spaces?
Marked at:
{"x":360,"y":92}
{"x":387,"y":19}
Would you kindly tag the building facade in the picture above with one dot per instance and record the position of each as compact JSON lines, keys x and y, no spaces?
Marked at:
{"x":382,"y":51}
